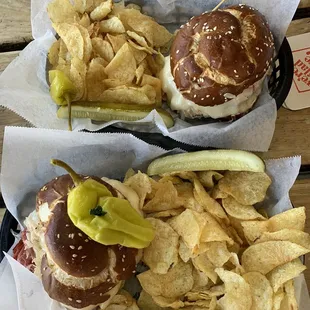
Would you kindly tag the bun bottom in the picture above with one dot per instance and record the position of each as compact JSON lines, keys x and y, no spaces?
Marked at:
{"x":103,"y":305}
{"x":237,"y":105}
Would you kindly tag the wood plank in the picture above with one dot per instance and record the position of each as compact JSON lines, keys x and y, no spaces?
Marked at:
{"x":289,"y":138}
{"x":15,"y":22}
{"x":304,"y":4}
{"x":300,"y":196}
{"x":6,"y":58}
{"x":298,"y":26}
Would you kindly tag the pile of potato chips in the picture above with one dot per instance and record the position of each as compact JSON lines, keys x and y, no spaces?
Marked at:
{"x":110,"y":52}
{"x":213,"y":249}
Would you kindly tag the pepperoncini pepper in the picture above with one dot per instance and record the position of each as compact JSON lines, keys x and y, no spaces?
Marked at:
{"x":104,"y":218}
{"x":62,"y":89}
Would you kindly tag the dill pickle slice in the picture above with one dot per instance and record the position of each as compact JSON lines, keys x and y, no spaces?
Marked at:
{"x":108,"y":112}
{"x":232,"y":160}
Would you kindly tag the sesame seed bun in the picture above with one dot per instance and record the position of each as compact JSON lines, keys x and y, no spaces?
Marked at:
{"x":218,"y":55}
{"x":75,"y":270}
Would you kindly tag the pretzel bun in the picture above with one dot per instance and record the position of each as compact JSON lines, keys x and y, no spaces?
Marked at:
{"x":218,"y":63}
{"x":75,"y":270}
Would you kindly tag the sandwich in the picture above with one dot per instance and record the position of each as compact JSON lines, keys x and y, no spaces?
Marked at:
{"x":81,"y":249}
{"x":218,"y":63}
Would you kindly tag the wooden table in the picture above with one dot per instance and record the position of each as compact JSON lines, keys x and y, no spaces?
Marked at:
{"x":292,"y":128}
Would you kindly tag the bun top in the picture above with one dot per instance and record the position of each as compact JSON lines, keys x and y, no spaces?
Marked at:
{"x":221,"y":53}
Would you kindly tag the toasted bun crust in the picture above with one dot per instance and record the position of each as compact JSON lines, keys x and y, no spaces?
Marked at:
{"x":221,"y":53}
{"x":72,"y":296}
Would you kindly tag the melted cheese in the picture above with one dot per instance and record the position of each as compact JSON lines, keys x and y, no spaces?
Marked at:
{"x":238,"y":104}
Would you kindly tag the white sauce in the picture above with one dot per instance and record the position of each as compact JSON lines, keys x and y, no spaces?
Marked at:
{"x":239,"y":104}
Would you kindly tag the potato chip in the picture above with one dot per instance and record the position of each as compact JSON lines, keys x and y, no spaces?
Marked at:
{"x":193,"y":296}
{"x":186,"y":197}
{"x":176,"y":282}
{"x":236,"y":224}
{"x":72,"y":37}
{"x":185,"y":175}
{"x":87,"y":43}
{"x":264,"y":257}
{"x":139,"y":73}
{"x":146,"y":302}
{"x":247,"y":188}
{"x":117,"y":41}
{"x":168,"y":302}
{"x":122,"y":301}
{"x":125,"y":94}
{"x":213,"y":230}
{"x":208,"y":178}
{"x":141,"y":184}
{"x":102,"y":48}
{"x":112,"y":25}
{"x":85,"y":21}
{"x":139,"y":56}
{"x":217,"y":253}
{"x":141,"y":41}
{"x":291,"y":219}
{"x":234,"y":260}
{"x":165,"y":199}
{"x":123,"y":65}
{"x":284,"y":273}
{"x":162,"y":253}
{"x":78,"y":78}
{"x":201,"y":280}
{"x":292,"y":235}
{"x":202,"y":263}
{"x":184,"y":252}
{"x":189,"y":225}
{"x":238,"y":292}
{"x":113,"y":83}
{"x":53,"y":53}
{"x":262,"y":294}
{"x":209,"y":204}
{"x":155,"y":82}
{"x":239,"y":211}
{"x":155,"y":34}
{"x":138,"y":47}
{"x":94,"y":81}
{"x":202,"y":304}
{"x":216,"y":193}
{"x":289,"y":300}
{"x":117,"y":8}
{"x":83,"y":6}
{"x":100,"y":61}
{"x":167,"y":213}
{"x":62,"y":11}
{"x":133,"y":6}
{"x":156,"y":63}
{"x":149,"y":91}
{"x":63,"y":50}
{"x":277,"y":300}
{"x":174,"y":180}
{"x":101,"y":11}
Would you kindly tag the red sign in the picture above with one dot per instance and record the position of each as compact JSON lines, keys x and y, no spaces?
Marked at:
{"x":302,"y":69}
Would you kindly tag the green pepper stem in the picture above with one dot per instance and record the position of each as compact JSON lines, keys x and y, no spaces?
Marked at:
{"x":67,"y":97}
{"x":75,"y":177}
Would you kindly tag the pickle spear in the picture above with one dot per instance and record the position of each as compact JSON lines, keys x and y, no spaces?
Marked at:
{"x":106,"y":112}
{"x":232,"y":160}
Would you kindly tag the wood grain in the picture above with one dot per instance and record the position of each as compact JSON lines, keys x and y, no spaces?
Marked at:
{"x":298,"y":26}
{"x":15,"y":24}
{"x":6,"y":58}
{"x":304,"y":4}
{"x":300,"y":196}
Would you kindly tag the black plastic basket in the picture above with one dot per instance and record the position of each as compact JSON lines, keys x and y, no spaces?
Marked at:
{"x":279,"y":86}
